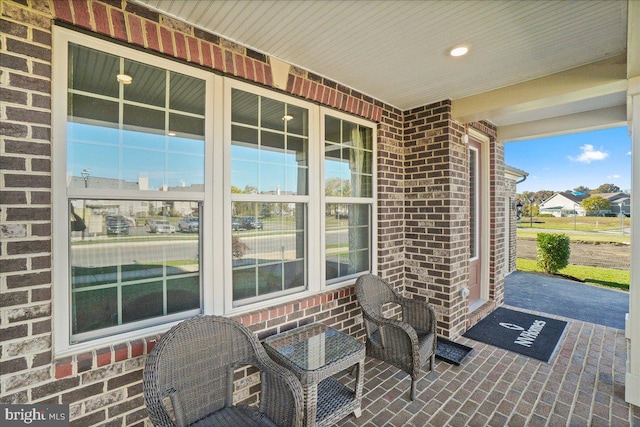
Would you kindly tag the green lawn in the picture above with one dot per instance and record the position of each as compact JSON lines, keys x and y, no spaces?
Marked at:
{"x":608,"y":277}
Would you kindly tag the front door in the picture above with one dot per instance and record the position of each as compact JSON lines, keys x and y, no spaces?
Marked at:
{"x":475,"y":200}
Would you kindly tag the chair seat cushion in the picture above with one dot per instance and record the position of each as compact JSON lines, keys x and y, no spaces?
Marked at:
{"x":234,"y":416}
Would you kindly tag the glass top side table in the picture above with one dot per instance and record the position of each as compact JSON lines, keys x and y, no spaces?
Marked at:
{"x":314,"y":353}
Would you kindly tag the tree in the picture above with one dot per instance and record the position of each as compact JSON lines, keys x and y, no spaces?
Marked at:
{"x":582,"y":189}
{"x":606,"y":188}
{"x":595,"y":204}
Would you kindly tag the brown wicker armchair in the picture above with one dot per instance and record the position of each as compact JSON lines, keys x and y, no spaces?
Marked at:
{"x":191,"y":370}
{"x":406,"y":344}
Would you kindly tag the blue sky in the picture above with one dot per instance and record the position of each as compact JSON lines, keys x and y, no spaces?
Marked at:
{"x":565,"y":162}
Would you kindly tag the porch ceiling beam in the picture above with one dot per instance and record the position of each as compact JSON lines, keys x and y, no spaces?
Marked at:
{"x":602,"y":79}
{"x":571,"y":123}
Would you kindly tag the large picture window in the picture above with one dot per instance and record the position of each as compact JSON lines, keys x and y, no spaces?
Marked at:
{"x":130,"y":181}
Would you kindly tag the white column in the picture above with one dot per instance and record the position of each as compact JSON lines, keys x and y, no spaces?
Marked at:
{"x":632,"y":394}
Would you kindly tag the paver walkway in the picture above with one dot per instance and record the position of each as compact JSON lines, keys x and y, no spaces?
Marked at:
{"x":582,"y":386}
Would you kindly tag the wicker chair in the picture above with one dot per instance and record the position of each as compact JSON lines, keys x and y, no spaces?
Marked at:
{"x":406,"y":344}
{"x":191,"y":370}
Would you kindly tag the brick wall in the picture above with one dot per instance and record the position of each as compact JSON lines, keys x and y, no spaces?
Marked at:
{"x":421,"y":211}
{"x":510,"y":198}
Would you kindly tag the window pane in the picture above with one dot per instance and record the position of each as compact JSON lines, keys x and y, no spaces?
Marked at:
{"x":281,"y":159}
{"x":348,"y":239}
{"x":148,"y":85}
{"x":117,"y":145}
{"x":269,"y":249}
{"x":186,"y":94}
{"x":272,"y":114}
{"x":244,"y":107}
{"x":129,"y":264}
{"x":348,"y":159}
{"x":93,"y":71}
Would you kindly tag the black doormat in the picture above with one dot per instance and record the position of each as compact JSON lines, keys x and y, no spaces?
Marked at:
{"x":528,"y":334}
{"x":452,"y":352}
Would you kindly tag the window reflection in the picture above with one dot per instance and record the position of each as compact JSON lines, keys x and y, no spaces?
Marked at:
{"x":268,"y":246}
{"x":129,"y":262}
{"x":269,"y":151}
{"x":347,"y":239}
{"x":133,"y":139}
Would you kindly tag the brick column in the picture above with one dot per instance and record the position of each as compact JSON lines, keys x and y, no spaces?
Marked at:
{"x":436,"y":213}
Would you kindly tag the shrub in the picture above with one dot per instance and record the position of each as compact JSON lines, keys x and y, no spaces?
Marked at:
{"x":553,"y":251}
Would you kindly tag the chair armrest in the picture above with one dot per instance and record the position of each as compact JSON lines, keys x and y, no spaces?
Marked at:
{"x":419,"y":314}
{"x":396,"y":335}
{"x":282,"y":398}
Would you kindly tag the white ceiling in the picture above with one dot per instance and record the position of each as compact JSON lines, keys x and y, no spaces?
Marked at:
{"x":397,"y":50}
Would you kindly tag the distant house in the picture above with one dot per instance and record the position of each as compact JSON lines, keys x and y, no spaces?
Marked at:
{"x":567,"y":203}
{"x":620,"y":202}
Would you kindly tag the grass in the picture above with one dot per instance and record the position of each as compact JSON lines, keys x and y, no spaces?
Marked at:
{"x":585,"y":228}
{"x":608,"y":277}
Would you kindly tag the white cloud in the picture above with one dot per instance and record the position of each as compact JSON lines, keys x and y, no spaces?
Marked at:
{"x":616,"y":176}
{"x":629,"y":153}
{"x":589,"y":155}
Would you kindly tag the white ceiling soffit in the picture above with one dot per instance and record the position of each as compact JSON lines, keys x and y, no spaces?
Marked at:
{"x":397,"y":51}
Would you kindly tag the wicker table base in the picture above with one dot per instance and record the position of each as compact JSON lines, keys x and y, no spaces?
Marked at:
{"x":314,"y":353}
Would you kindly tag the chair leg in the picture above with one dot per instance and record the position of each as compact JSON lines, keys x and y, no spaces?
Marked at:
{"x":413,"y":389}
{"x":433,"y":362}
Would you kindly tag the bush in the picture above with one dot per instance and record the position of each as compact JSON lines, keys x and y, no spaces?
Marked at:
{"x":553,"y":252}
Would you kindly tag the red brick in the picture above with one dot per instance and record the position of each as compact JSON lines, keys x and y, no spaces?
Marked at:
{"x":194,"y":52}
{"x":268,"y":75}
{"x":120,"y":352}
{"x":151,"y":342}
{"x":248,"y":66}
{"x":137,"y":348}
{"x":151,"y":31}
{"x":207,"y":59}
{"x":181,"y":46}
{"x":228,"y":62}
{"x":103,"y":357}
{"x":101,"y":18}
{"x":119,"y":26}
{"x":81,"y":13}
{"x":218,"y":62}
{"x":297,"y":86}
{"x":167,"y":41}
{"x":135,"y":30}
{"x":259,"y":69}
{"x":62,"y":10}
{"x":64,"y":368}
{"x":239,"y":62}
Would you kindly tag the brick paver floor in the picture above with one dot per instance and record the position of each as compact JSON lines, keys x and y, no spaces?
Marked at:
{"x":582,"y":386}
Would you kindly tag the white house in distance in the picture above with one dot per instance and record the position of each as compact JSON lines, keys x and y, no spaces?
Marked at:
{"x":620,"y":202}
{"x":566,"y":203}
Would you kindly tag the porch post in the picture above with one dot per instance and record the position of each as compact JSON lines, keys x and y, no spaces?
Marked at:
{"x":633,"y":318}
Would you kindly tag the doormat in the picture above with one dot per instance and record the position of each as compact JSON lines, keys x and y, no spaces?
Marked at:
{"x":452,"y":352}
{"x":527,"y":334}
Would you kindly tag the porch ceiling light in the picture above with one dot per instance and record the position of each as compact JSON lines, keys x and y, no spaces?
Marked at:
{"x":459,"y":51}
{"x":125,"y":79}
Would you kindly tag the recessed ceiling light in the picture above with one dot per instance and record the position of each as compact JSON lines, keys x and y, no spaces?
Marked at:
{"x":287,"y":117}
{"x":125,"y":79}
{"x":459,"y":51}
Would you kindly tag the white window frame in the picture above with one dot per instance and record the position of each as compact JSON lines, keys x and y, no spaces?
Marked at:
{"x":216,"y":258}
{"x":371,"y":201}
{"x":62,"y":37}
{"x":311,"y":200}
